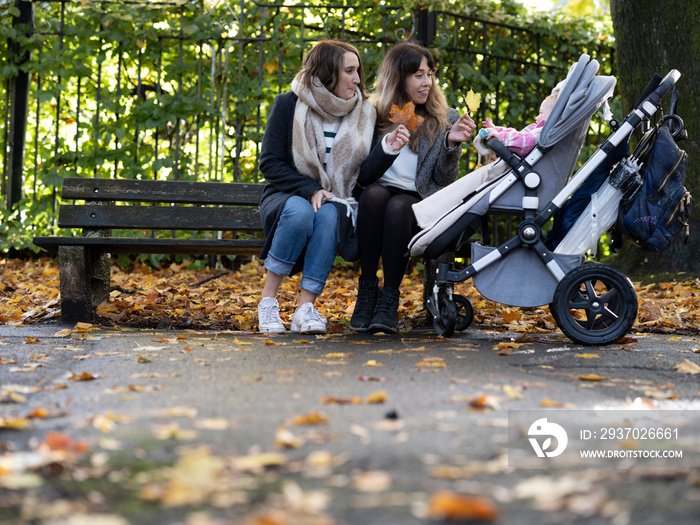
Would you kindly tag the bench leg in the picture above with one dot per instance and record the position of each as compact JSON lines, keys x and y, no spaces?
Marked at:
{"x":84,"y":275}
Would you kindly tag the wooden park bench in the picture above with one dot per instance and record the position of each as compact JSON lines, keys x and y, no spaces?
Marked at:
{"x":139,"y":208}
{"x":136,"y":210}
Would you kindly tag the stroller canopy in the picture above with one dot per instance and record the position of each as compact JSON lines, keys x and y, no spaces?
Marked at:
{"x":583,"y":93}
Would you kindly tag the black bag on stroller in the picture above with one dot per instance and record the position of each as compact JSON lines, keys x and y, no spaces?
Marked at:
{"x":658,"y":212}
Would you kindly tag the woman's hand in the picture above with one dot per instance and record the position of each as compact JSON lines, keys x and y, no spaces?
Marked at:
{"x":461,"y":131}
{"x":317,"y":199}
{"x":398,"y":138}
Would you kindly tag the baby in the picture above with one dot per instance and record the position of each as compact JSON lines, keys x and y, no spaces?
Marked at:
{"x":519,"y":142}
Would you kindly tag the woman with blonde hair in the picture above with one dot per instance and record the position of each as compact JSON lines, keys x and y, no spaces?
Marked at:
{"x":422,"y":162}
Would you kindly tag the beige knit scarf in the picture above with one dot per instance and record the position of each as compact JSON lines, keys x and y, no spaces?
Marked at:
{"x":352,"y":142}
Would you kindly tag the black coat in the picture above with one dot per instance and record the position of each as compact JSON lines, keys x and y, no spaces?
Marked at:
{"x":283,"y":180}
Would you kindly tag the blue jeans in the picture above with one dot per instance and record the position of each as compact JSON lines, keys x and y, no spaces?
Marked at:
{"x":300,"y":227}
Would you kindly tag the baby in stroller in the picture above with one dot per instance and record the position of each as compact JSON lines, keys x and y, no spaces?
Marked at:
{"x":518,"y":141}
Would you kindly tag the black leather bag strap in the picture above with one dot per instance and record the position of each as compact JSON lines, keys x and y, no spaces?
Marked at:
{"x":674,"y":101}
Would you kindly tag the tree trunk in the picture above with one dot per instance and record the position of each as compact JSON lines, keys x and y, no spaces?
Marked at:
{"x":655,"y":37}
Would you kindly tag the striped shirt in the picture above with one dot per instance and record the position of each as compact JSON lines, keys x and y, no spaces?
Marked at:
{"x":330,"y":130}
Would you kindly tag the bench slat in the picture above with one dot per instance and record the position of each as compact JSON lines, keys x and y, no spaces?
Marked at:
{"x":159,"y":217}
{"x":162,"y":246}
{"x":233,"y":193}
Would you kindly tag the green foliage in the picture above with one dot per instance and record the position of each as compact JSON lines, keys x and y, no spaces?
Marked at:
{"x":181,"y":90}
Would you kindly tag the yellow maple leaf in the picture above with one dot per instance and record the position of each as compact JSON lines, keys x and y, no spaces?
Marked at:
{"x":473,"y":100}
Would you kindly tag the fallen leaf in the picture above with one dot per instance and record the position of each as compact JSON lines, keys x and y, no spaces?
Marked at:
{"x":60,"y":441}
{"x":372,"y":481}
{"x":195,"y":476}
{"x":371,"y":378}
{"x":173,"y":431}
{"x":507,"y":345}
{"x":257,"y":462}
{"x":378,"y":396}
{"x":484,"y":402}
{"x":84,"y":376}
{"x":329,"y":400}
{"x":312,"y":418}
{"x":213,"y":423}
{"x":687,"y":367}
{"x":513,"y":393}
{"x":284,"y":438}
{"x":592,"y":377}
{"x":14,"y":423}
{"x":452,"y":506}
{"x":546,"y":402}
{"x":510,"y":316}
{"x":432,"y":362}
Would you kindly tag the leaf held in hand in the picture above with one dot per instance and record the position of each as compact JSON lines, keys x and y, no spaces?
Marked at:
{"x":473,"y":100}
{"x":406,"y":116}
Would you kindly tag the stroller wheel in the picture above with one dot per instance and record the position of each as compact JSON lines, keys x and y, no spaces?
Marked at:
{"x":595,"y":304}
{"x":465,"y":312}
{"x":446,"y":319}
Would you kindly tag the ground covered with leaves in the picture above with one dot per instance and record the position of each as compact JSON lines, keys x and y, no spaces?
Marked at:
{"x":215,"y":424}
{"x":178,"y":297}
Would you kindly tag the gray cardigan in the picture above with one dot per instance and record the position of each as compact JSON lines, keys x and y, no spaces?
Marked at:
{"x":438,"y":165}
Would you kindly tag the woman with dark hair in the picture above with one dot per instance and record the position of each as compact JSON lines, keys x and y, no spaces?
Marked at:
{"x":317,"y":138}
{"x":424,"y":161}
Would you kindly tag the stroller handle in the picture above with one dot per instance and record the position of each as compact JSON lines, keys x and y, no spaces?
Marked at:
{"x":667,"y":83}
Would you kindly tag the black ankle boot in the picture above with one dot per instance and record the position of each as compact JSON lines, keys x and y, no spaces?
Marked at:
{"x":386,"y":314}
{"x":367,"y":292}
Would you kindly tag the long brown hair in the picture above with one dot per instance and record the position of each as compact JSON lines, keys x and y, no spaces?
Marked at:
{"x":403,"y":60}
{"x":325,"y":61}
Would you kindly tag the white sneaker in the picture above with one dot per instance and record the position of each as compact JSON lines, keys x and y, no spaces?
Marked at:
{"x":269,"y":320}
{"x":308,"y":320}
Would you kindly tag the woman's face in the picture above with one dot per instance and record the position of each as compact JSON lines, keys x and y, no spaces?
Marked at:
{"x":348,"y":77}
{"x":417,"y":85}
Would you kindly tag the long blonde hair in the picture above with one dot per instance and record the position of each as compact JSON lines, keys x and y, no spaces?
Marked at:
{"x":403,"y":60}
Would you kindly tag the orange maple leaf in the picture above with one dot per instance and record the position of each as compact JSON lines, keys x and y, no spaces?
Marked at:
{"x":406,"y":116}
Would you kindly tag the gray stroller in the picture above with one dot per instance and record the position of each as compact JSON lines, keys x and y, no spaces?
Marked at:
{"x":593,"y":304}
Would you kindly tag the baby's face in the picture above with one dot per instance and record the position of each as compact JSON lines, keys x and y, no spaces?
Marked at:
{"x":545,"y":109}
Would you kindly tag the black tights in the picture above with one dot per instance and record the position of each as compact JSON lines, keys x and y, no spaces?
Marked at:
{"x":385,"y":226}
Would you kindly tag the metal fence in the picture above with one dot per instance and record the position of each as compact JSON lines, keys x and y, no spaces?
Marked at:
{"x":182,"y":89}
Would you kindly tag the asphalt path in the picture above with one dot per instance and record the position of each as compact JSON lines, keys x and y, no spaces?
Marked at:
{"x":346,"y":429}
